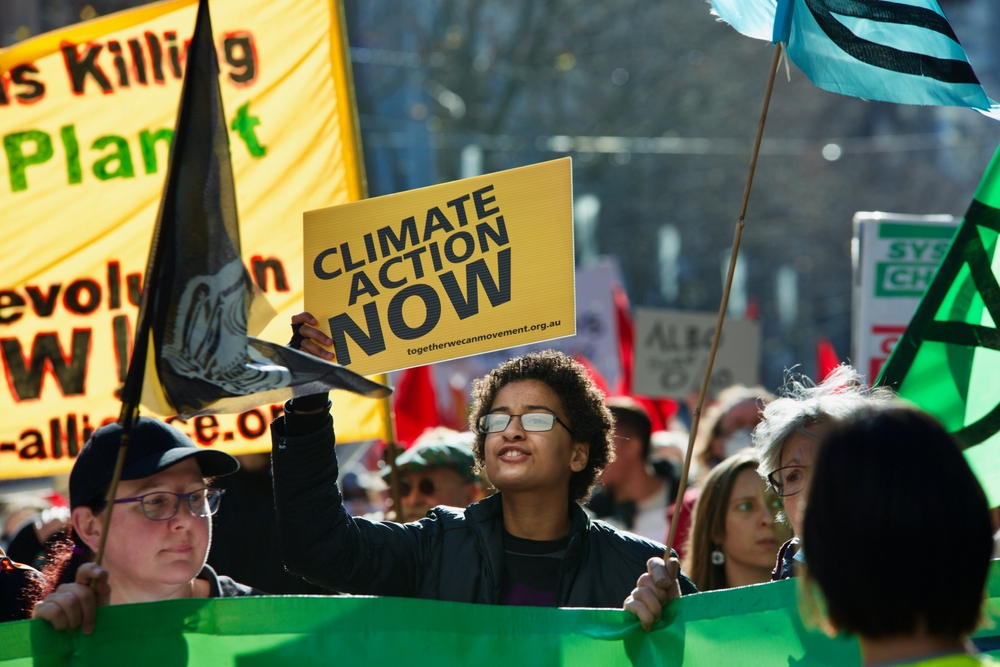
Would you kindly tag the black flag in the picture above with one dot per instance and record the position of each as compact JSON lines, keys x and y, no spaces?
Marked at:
{"x":199,"y":301}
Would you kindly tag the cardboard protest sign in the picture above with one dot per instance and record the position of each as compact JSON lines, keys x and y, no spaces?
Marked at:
{"x":895,"y":257}
{"x":455,"y":269}
{"x":86,"y":119}
{"x":672,"y":347}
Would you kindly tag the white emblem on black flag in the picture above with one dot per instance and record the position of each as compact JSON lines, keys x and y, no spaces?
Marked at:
{"x":198,"y":293}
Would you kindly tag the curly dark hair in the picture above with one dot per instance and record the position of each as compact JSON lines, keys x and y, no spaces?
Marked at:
{"x":580,"y":399}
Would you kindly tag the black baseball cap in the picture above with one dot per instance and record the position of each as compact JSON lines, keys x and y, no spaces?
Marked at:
{"x":153,"y":447}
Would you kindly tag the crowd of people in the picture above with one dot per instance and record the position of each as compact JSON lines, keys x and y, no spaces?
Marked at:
{"x":556,"y":496}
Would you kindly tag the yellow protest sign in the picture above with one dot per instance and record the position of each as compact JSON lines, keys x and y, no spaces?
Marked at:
{"x":446,"y":271}
{"x":86,"y":121}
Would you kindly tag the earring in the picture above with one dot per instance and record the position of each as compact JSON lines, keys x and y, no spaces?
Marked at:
{"x":718,"y":558}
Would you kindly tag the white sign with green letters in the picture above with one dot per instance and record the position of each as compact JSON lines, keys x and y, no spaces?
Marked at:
{"x":894,"y":257}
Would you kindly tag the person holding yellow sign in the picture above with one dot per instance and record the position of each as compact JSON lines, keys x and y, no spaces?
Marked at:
{"x":542,"y":434}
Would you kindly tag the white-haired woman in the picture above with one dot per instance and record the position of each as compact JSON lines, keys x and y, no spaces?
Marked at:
{"x":785,"y":440}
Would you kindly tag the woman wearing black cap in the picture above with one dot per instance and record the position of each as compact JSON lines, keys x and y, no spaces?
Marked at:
{"x":160,"y":531}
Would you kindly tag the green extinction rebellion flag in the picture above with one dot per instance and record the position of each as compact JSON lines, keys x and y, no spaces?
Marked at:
{"x":948,"y":361}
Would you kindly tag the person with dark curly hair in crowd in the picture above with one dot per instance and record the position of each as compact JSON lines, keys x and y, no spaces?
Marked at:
{"x":542,"y":434}
{"x":894,"y":480}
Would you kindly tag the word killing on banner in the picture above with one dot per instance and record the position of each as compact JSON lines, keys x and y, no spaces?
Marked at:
{"x":35,"y":146}
{"x":140,"y":61}
{"x":399,"y":265}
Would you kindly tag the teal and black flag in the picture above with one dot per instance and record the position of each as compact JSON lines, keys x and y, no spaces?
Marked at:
{"x":194,"y":353}
{"x":902,"y":51}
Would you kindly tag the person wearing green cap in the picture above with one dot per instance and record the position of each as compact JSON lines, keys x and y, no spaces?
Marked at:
{"x":436,"y":470}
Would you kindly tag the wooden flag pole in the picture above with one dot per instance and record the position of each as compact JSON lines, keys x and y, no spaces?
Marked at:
{"x":394,"y":451}
{"x":127,"y":417}
{"x":737,"y":237}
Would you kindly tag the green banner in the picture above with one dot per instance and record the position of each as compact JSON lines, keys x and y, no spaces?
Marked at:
{"x":756,"y":625}
{"x":948,"y":359}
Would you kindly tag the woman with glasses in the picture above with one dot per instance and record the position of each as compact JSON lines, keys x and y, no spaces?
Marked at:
{"x":785,"y":441}
{"x":160,"y":531}
{"x":542,"y":434}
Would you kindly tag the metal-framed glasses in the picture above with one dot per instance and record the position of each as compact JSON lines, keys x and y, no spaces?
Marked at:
{"x":163,"y":505}
{"x":789,"y":480}
{"x":495,"y":422}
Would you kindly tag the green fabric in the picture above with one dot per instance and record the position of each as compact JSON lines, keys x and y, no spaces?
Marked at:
{"x":948,"y":360}
{"x":757,"y":625}
{"x":708,"y":629}
{"x":954,"y":661}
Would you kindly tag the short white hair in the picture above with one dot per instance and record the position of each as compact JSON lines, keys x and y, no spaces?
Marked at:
{"x":843,"y":395}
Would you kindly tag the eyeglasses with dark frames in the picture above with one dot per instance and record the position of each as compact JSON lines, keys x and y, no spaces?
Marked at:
{"x":163,"y":505}
{"x":534,"y":422}
{"x":789,"y":480}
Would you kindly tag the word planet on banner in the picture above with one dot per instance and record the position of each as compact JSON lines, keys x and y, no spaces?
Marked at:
{"x":447,"y":271}
{"x":672,"y":348}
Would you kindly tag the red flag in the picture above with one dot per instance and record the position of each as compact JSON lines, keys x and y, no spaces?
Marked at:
{"x":826,"y":358}
{"x":458,"y":417}
{"x":415,"y":405}
{"x":660,"y":410}
{"x":595,"y":375}
{"x":626,"y":333}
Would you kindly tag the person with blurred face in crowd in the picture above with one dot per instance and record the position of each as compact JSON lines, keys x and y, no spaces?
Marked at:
{"x":727,"y":426}
{"x":437,"y":470}
{"x":542,"y":434}
{"x":785,"y":441}
{"x":735,"y":537}
{"x":160,"y":530}
{"x":724,"y":431}
{"x":896,"y":482}
{"x":634,"y":495}
{"x":31,"y":522}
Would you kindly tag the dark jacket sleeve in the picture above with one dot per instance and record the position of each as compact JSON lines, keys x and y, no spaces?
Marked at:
{"x":24,"y":547}
{"x":320,"y":541}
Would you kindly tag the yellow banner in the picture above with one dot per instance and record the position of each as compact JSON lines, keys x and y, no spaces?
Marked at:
{"x":86,"y":118}
{"x":447,"y":271}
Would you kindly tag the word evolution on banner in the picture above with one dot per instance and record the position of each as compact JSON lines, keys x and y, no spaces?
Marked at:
{"x":895,"y":257}
{"x":447,"y":271}
{"x":672,"y":348}
{"x":87,"y":123}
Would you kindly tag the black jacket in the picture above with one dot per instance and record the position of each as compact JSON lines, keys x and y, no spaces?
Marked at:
{"x":784,"y":567}
{"x":20,"y":587}
{"x":452,"y":554}
{"x":220,"y":586}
